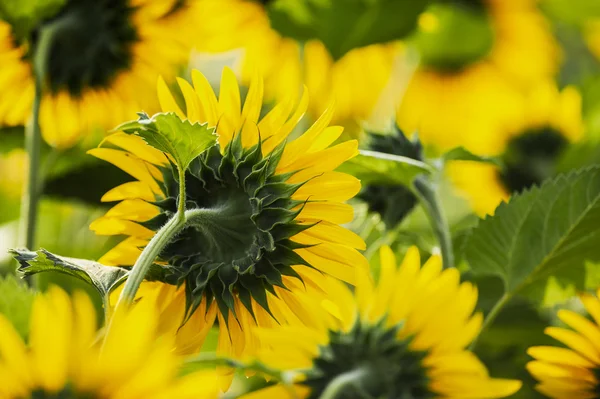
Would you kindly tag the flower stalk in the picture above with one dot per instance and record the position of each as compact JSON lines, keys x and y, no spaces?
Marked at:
{"x":428,"y":196}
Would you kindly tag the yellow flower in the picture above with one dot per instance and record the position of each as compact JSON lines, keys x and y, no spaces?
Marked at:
{"x":102,"y":64}
{"x":355,"y":81}
{"x":14,"y":167}
{"x":570,"y":372}
{"x":65,"y":358}
{"x":403,"y":337}
{"x":472,"y":101}
{"x":551,"y":120}
{"x":274,"y":236}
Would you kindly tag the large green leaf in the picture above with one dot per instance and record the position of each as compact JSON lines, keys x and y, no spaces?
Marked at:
{"x":546,"y":232}
{"x":346,"y":24}
{"x":183,"y":140}
{"x":103,"y":278}
{"x":26,"y":15}
{"x":373,"y":167}
{"x":15,"y":303}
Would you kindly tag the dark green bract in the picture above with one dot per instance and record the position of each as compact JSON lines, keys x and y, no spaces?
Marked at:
{"x":531,"y":158}
{"x":66,"y":393}
{"x":392,"y":202}
{"x":392,"y":369}
{"x":92,"y":44}
{"x":239,"y":244}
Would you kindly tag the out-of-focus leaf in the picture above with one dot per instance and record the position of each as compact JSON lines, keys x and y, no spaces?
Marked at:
{"x":26,"y":15}
{"x":15,"y":303}
{"x":548,"y":231}
{"x":373,"y":167}
{"x":572,"y":11}
{"x":183,"y":140}
{"x":346,"y":24}
{"x":103,"y":278}
{"x":462,"y":154}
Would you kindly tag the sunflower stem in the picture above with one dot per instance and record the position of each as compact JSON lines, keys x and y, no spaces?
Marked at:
{"x":430,"y":200}
{"x":160,"y":240}
{"x":337,"y":386}
{"x":33,"y":138}
{"x":182,"y":194}
{"x":489,"y":319}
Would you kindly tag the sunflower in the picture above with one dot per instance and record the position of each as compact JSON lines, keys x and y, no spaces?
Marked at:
{"x":64,"y":357}
{"x":355,"y":80}
{"x":570,"y":372}
{"x":404,"y":337}
{"x":278,"y":203}
{"x":551,"y":121}
{"x":469,"y":92}
{"x":103,"y":59}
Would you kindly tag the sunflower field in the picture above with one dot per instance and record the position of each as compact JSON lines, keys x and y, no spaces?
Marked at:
{"x":299,"y":199}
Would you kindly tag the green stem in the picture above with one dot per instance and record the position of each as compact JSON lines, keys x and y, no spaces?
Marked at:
{"x":182,"y":195}
{"x":31,"y":194}
{"x":491,"y":316}
{"x":432,"y":204}
{"x":160,"y":240}
{"x":337,"y":386}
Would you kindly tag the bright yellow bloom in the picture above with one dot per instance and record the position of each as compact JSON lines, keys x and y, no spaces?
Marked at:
{"x":103,"y":77}
{"x":355,"y":81}
{"x":66,"y":358}
{"x":570,"y":372}
{"x":276,"y":234}
{"x":407,"y":335}
{"x":14,"y":169}
{"x":551,"y":120}
{"x":475,"y":104}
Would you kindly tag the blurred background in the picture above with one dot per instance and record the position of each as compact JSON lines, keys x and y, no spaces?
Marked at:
{"x":503,"y":93}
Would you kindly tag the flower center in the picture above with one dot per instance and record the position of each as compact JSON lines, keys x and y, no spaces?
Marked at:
{"x":65,"y":393}
{"x":531,"y":158}
{"x":237,"y":247}
{"x":453,"y":36}
{"x":92,"y":44}
{"x":391,"y":368}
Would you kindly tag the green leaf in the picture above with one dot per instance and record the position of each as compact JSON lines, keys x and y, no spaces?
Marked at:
{"x":373,"y":167}
{"x":346,"y":24}
{"x":103,"y":278}
{"x":462,"y":154}
{"x":26,"y":15}
{"x":16,"y":300}
{"x":546,"y":232}
{"x":183,"y":140}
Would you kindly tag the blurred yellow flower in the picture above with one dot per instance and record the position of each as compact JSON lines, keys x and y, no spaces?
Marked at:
{"x":13,"y":167}
{"x":551,"y":119}
{"x":471,"y":95}
{"x":275,"y":233}
{"x":570,"y":372}
{"x":65,"y":357}
{"x":403,"y":337}
{"x":101,"y":65}
{"x":355,"y":81}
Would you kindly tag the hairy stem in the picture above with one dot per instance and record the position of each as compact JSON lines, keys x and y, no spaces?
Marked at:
{"x":182,"y":195}
{"x":341,"y":382}
{"x":432,"y":204}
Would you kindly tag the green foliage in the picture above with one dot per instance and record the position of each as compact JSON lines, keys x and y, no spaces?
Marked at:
{"x":373,"y":167}
{"x":454,"y":36}
{"x":462,"y":154}
{"x":183,"y":140}
{"x":26,"y":15}
{"x":16,"y":300}
{"x":548,"y":231}
{"x":346,"y":24}
{"x":103,"y":278}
